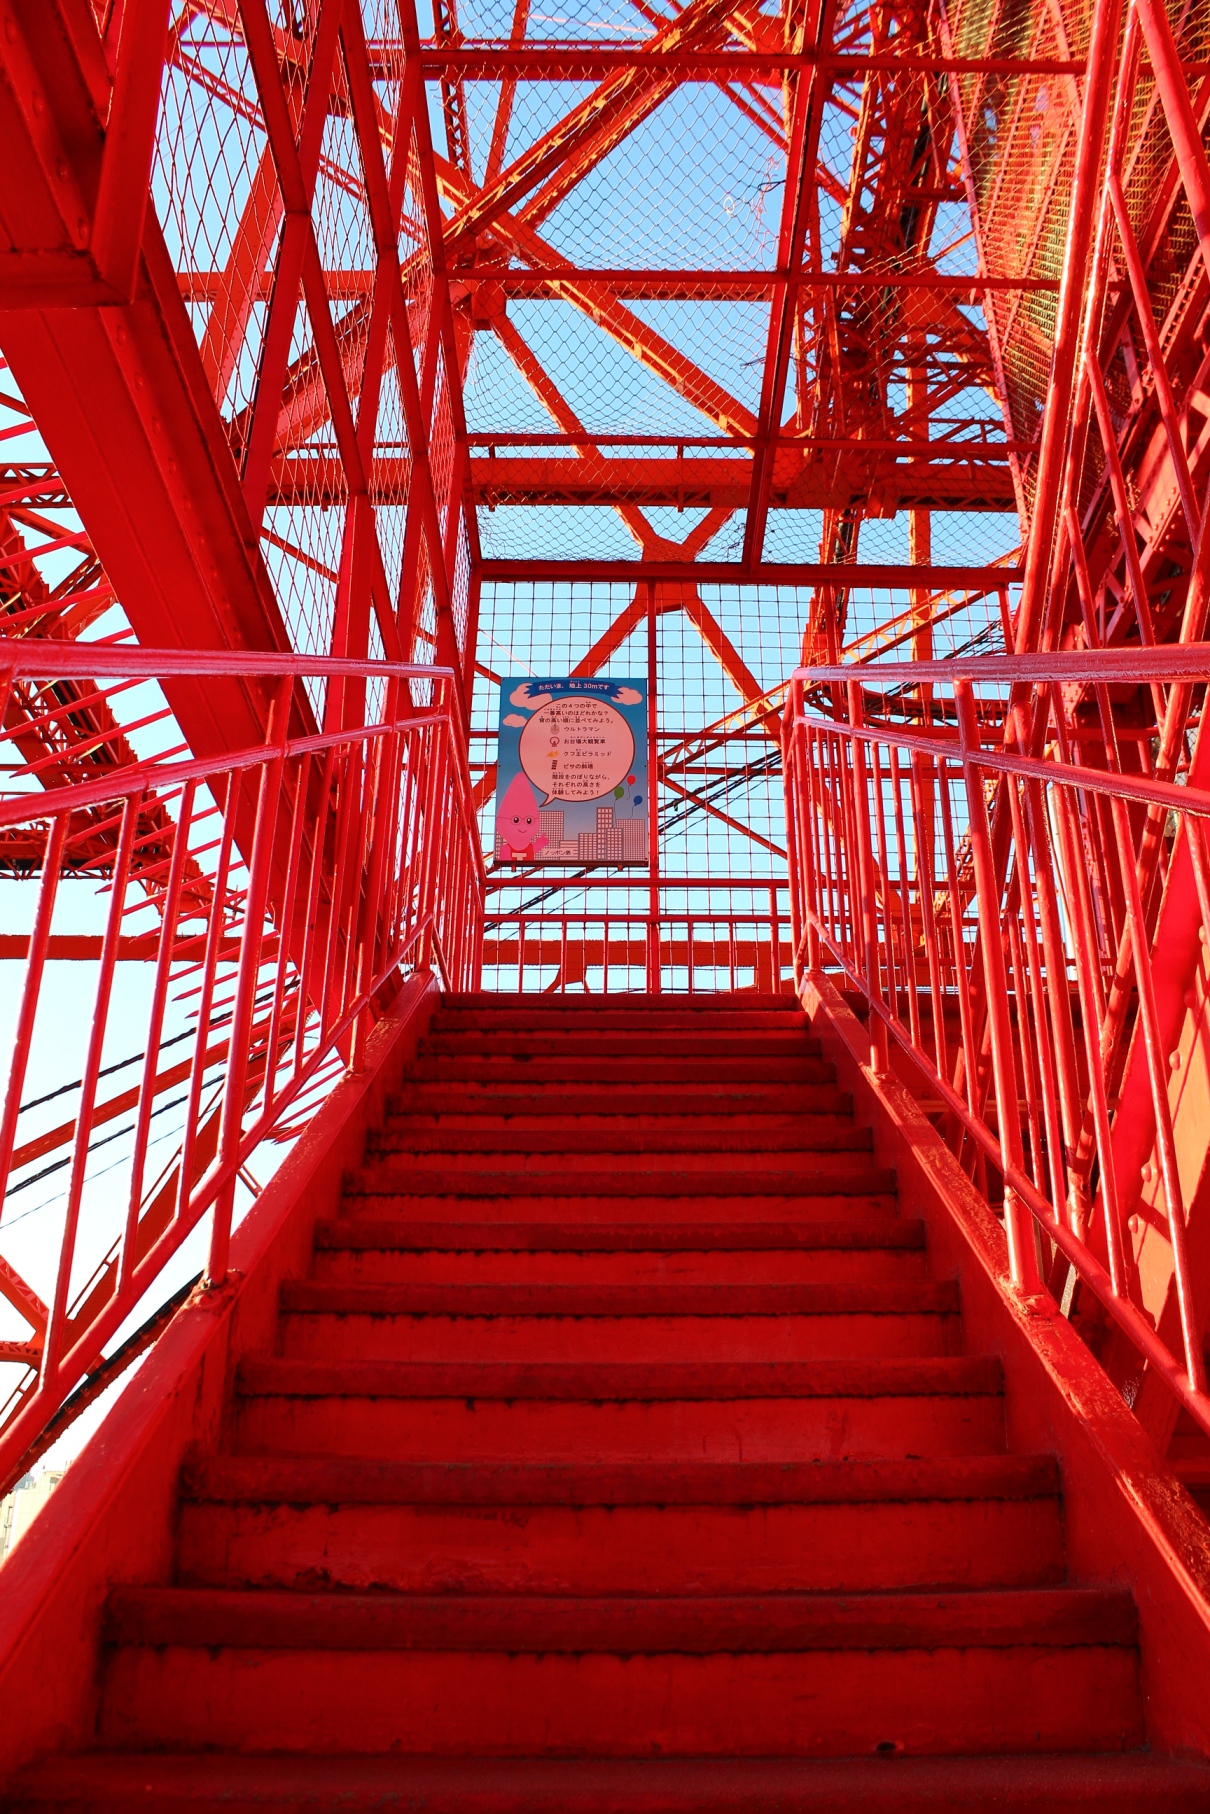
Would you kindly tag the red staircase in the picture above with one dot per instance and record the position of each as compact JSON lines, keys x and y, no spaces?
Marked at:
{"x":619,"y":1452}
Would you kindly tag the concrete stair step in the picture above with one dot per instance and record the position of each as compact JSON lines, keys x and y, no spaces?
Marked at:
{"x":772,"y":1266}
{"x":614,"y":1411}
{"x":784,"y":1042}
{"x":506,"y":1007}
{"x":266,"y":1480}
{"x":614,"y":1023}
{"x":363,"y":1249}
{"x":632,"y":1549}
{"x":719,"y":1135}
{"x":629,"y":1175}
{"x":702,"y":1099}
{"x":585,"y":1529}
{"x":822,"y":1675}
{"x":922,"y":1297}
{"x":375,"y":1321}
{"x":835,"y":1197}
{"x":803,"y":1234}
{"x":608,"y":1072}
{"x":1069,"y":1618}
{"x":734,"y":1173}
{"x":583,"y":1340}
{"x":236,"y":1783}
{"x":714,"y":1022}
{"x":618,"y":1381}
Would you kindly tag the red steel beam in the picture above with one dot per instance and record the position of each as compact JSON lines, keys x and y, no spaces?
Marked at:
{"x":768,"y":573}
{"x":729,"y":483}
{"x":799,"y":212}
{"x":612,"y":110}
{"x":960,"y":483}
{"x":84,"y":947}
{"x":1172,"y":83}
{"x":1102,"y":68}
{"x":124,"y":193}
{"x":632,"y":100}
{"x":558,"y":63}
{"x":536,"y":280}
{"x":1065,"y":667}
{"x":632,"y":333}
{"x":907,"y":448}
{"x":120,"y":394}
{"x":981,"y":482}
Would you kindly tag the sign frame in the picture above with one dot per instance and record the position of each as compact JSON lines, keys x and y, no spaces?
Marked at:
{"x":572,"y":732}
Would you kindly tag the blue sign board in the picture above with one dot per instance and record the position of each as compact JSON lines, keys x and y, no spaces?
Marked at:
{"x":571,"y":781}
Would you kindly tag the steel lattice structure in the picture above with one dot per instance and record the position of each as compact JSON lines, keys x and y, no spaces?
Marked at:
{"x":700,"y":340}
{"x":355,"y":304}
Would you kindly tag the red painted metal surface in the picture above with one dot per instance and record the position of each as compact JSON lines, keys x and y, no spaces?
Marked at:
{"x":482,"y":1486}
{"x":1004,"y":916}
{"x":904,"y":310}
{"x":361,"y":864}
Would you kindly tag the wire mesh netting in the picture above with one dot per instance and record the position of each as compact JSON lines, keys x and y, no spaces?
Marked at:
{"x":717,"y":658}
{"x":295,"y":364}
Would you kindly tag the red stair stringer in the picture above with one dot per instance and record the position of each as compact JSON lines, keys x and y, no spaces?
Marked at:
{"x":1126,"y":1515}
{"x":113,"y":1517}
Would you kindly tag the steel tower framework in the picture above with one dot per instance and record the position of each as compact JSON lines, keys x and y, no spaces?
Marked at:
{"x":345,"y":332}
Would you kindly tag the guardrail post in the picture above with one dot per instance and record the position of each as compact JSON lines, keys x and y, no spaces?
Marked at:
{"x":800,"y":805}
{"x":255,"y":903}
{"x":53,"y":1347}
{"x":34,"y":965}
{"x":1018,"y":1223}
{"x":879,"y":1054}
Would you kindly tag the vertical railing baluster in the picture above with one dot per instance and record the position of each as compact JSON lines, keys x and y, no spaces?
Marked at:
{"x":1158,"y":1071}
{"x":238,"y":1055}
{"x":52,"y":1350}
{"x":907,"y":937}
{"x":1037,"y":993}
{"x":35,"y":963}
{"x":922,"y":766}
{"x":155,"y":1028}
{"x":867,"y":886}
{"x":1018,"y":1222}
{"x":285,"y":927}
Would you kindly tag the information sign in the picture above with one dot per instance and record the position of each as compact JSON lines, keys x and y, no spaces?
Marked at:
{"x":571,"y":781}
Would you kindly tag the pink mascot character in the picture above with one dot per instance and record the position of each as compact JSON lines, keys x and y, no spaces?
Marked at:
{"x":517,"y":828}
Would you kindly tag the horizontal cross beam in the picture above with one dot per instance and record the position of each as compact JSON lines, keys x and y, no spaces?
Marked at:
{"x":905,"y":447}
{"x":739,"y":285}
{"x":567,"y":62}
{"x":958,"y":477}
{"x":349,"y":285}
{"x":723,"y":483}
{"x":768,"y":573}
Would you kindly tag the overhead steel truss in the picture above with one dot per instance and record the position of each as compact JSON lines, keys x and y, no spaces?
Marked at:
{"x":335,"y":321}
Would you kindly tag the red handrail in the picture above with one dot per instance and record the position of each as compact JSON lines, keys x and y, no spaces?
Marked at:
{"x":341,"y":860}
{"x":1006,"y":884}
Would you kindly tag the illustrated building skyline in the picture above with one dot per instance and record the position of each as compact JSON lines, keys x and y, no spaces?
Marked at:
{"x":614,"y":840}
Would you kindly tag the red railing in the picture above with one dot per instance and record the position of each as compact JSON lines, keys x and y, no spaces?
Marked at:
{"x":1006,"y":860}
{"x":702,"y":934}
{"x":290,"y":887}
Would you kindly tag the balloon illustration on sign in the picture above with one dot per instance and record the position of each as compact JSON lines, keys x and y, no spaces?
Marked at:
{"x":577,"y":748}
